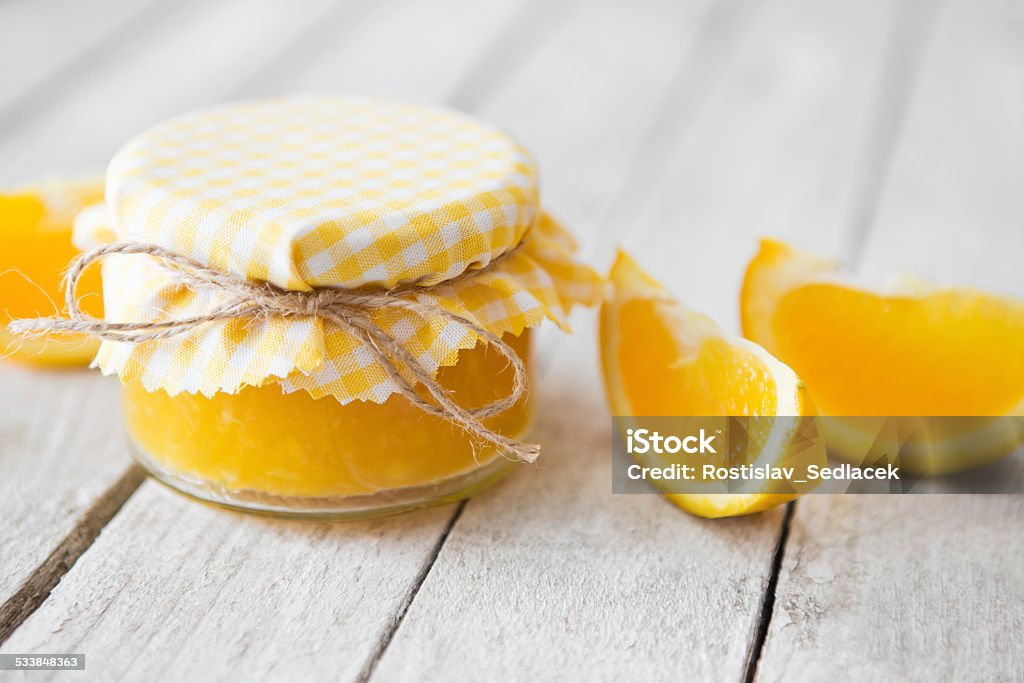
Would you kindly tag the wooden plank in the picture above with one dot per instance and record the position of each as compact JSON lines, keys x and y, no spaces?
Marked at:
{"x":46,"y":41}
{"x":408,"y":70}
{"x":566,"y":577}
{"x":54,"y":482}
{"x":549,"y":577}
{"x":166,"y":575}
{"x":59,"y":452}
{"x":173,"y":590}
{"x":953,"y":209}
{"x":928,"y":587}
{"x":887,"y":588}
{"x":585,"y":105}
{"x":195,"y":57}
{"x":777,"y":150}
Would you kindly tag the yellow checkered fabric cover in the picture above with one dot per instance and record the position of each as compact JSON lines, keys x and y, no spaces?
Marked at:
{"x":325,"y":192}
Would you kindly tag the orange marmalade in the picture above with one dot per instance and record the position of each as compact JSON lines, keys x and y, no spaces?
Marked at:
{"x":265,"y":449}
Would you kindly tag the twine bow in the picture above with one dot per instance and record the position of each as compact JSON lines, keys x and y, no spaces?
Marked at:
{"x":349,"y":309}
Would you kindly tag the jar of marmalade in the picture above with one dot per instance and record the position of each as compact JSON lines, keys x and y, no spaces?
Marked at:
{"x":302,"y":411}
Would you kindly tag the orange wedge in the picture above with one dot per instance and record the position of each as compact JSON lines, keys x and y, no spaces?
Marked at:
{"x":35,"y":249}
{"x":915,"y":350}
{"x":662,"y":359}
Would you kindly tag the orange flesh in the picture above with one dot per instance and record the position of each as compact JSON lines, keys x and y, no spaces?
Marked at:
{"x":35,"y":250}
{"x":722,"y":380}
{"x":263,"y":440}
{"x":948,"y":353}
{"x":662,"y":359}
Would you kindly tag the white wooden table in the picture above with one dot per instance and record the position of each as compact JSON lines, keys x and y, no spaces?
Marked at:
{"x":887,"y":132}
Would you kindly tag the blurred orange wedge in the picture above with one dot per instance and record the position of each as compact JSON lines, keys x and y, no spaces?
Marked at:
{"x":662,"y":359}
{"x":35,"y":249}
{"x":918,"y":350}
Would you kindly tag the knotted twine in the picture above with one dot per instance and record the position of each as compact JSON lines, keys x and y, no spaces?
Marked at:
{"x":347,"y":308}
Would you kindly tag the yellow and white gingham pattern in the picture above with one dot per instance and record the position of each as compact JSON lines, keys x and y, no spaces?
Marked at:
{"x":412,"y":193}
{"x":541,"y":280}
{"x":325,"y":192}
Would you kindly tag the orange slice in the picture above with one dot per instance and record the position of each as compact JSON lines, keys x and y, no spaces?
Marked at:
{"x":916,"y":350}
{"x":35,"y":249}
{"x":662,"y":359}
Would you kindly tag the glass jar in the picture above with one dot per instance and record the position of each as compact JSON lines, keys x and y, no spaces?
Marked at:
{"x":284,"y":274}
{"x":263,"y":450}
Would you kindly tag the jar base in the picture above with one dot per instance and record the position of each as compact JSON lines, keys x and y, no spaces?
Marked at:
{"x":380,"y":504}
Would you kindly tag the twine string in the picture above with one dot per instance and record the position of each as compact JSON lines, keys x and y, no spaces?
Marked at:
{"x":348,"y":309}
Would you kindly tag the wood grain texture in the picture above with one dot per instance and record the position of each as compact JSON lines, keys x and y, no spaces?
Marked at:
{"x":926,"y":587}
{"x":776,"y":150}
{"x":247,"y":595}
{"x":196,"y":55}
{"x":47,"y":41}
{"x":911,"y":588}
{"x":952,"y":208}
{"x":411,"y":51}
{"x":550,"y":576}
{"x":680,"y":129}
{"x":36,"y":588}
{"x":63,"y":445}
{"x":584,"y":103}
{"x":796,"y":94}
{"x":61,"y":448}
{"x":174,"y":590}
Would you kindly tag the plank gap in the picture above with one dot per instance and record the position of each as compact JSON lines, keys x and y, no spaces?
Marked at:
{"x":909,"y":35}
{"x":414,"y":589}
{"x":37,"y":587}
{"x":768,"y":601}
